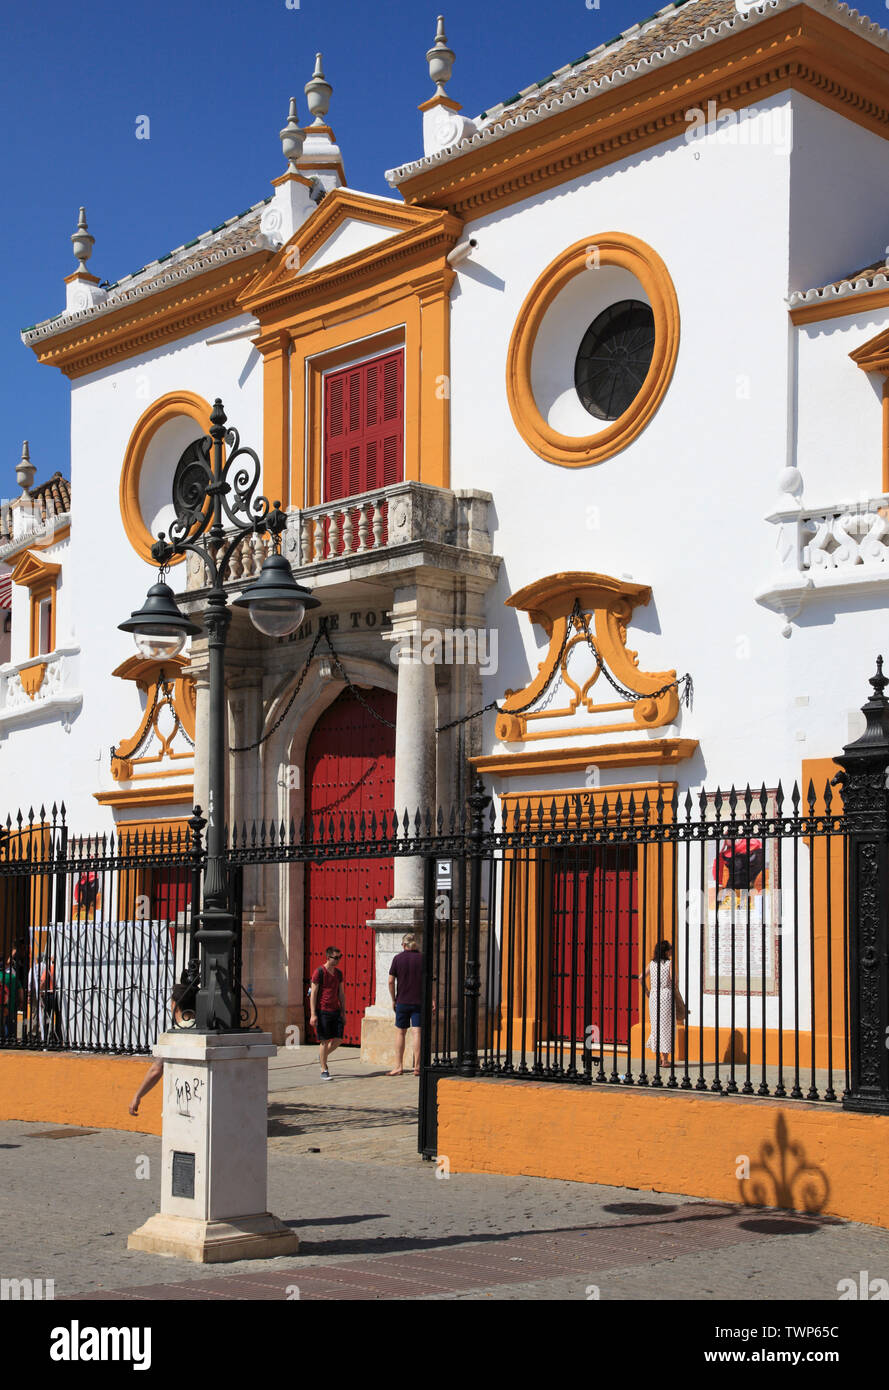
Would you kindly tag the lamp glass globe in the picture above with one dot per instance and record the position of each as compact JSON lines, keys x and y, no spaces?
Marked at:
{"x":276,"y":617}
{"x":159,"y":644}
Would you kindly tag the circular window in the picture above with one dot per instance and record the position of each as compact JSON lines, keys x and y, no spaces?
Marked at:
{"x":612,"y":295}
{"x":165,"y":432}
{"x":614,"y":357}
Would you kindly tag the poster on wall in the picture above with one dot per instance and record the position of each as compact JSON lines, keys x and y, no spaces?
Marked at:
{"x":743,"y":909}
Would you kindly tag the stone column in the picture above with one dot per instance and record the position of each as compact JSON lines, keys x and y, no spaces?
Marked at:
{"x":415,"y":759}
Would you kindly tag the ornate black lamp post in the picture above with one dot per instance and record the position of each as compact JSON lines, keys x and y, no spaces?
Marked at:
{"x":216,"y":503}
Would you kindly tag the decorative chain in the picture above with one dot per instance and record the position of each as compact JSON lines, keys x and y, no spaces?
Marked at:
{"x":247,"y":747}
{"x":578,"y":619}
{"x":476,"y":714}
{"x":353,"y":689}
{"x":632,"y":695}
{"x":161,"y":684}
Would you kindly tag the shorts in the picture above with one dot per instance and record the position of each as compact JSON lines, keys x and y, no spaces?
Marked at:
{"x":407,"y":1015}
{"x":330,"y":1026}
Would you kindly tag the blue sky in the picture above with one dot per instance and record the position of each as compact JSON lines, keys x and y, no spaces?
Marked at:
{"x":215,"y":82}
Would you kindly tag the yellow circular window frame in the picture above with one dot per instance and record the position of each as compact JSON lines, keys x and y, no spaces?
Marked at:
{"x":609,"y":248}
{"x":170,"y":407}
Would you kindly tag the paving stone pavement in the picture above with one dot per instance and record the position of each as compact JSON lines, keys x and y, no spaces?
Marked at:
{"x":376,"y":1223}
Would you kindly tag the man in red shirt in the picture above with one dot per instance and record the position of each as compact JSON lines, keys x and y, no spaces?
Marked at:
{"x":406,"y":972}
{"x":328,"y":1007}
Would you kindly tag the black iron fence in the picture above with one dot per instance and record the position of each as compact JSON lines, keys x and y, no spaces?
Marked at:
{"x":94,"y":930}
{"x":734,"y":942}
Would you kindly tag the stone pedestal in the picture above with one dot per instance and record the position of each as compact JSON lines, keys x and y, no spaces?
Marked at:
{"x":214,"y":1166}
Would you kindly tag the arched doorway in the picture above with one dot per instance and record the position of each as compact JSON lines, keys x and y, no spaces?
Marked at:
{"x":349,"y":769}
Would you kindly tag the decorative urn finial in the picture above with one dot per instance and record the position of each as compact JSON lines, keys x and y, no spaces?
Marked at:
{"x":318,"y":91}
{"x":440,"y":59}
{"x":292,"y":138}
{"x":82,"y":242}
{"x":25,"y":470}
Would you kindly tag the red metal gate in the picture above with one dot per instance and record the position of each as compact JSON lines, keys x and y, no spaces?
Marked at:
{"x":350,"y":769}
{"x":595,"y":945}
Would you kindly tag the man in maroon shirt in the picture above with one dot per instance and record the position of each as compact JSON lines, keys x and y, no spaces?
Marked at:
{"x":406,"y":973}
{"x":328,"y":1007}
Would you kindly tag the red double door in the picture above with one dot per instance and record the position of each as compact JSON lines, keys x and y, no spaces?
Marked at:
{"x":594,"y":945}
{"x":350,"y":770}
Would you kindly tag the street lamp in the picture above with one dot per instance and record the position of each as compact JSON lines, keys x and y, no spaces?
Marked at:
{"x":216,"y":504}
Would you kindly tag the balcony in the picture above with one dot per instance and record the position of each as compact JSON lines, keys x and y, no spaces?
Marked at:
{"x":396,"y":528}
{"x":39,"y":689}
{"x":828,"y":551}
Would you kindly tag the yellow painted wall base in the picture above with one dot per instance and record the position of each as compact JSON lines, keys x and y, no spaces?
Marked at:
{"x":801,"y":1157}
{"x":64,"y":1089}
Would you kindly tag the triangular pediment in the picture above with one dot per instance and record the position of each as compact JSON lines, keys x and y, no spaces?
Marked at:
{"x":30,"y":570}
{"x":348,"y":230}
{"x":873,"y":356}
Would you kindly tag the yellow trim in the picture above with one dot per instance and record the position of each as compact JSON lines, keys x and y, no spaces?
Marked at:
{"x":611,"y":248}
{"x":549,"y":602}
{"x":440,"y":100}
{"x":147,"y":796}
{"x":146,"y":673}
{"x":393,"y":293}
{"x":798,"y":50}
{"x":275,"y":352}
{"x":41,"y":578}
{"x":136,"y":328}
{"x":168,"y":407}
{"x":664,"y":751}
{"x":842,"y":307}
{"x":31,"y":571}
{"x":31,"y":678}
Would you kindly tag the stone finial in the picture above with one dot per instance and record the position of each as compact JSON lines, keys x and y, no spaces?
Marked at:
{"x":25,"y":470}
{"x":292,"y":138}
{"x":318,"y":91}
{"x":82,"y":242}
{"x":440,"y":58}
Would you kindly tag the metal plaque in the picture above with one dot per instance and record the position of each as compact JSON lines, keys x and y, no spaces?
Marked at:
{"x":183,"y":1175}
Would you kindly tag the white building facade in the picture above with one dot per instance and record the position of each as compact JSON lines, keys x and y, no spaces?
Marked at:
{"x":605,"y":352}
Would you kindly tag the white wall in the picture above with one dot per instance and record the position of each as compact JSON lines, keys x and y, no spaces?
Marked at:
{"x":839,"y":196}
{"x":103,"y":579}
{"x":683,"y":507}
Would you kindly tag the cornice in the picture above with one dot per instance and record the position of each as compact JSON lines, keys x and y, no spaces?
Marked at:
{"x":414,"y":248}
{"x":834,"y":302}
{"x":136,"y":326}
{"x":799,"y":49}
{"x":638,"y":753}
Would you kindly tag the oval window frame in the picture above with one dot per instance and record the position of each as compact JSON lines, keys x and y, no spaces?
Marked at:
{"x":642,"y":261}
{"x":169,"y":407}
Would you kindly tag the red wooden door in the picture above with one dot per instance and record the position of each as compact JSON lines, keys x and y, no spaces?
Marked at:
{"x":350,"y":769}
{"x":364,"y":427}
{"x":595,"y":945}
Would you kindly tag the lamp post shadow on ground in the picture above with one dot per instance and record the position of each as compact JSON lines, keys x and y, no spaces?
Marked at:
{"x":214,"y":1179}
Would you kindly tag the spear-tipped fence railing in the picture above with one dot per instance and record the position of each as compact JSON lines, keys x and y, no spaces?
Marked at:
{"x":733,"y":942}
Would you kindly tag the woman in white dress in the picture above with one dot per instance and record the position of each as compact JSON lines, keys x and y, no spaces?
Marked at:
{"x":665,"y":1003}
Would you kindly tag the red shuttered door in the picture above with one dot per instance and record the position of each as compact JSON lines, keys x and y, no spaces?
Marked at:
{"x":364,"y":427}
{"x":594,"y":945}
{"x":350,"y":769}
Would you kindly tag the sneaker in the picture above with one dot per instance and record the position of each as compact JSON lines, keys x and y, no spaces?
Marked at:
{"x":326,"y":1076}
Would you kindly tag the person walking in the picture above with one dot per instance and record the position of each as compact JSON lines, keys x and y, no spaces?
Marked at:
{"x":406,"y":992}
{"x":182,"y":1002}
{"x":327,"y":1007}
{"x":665,"y":1003}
